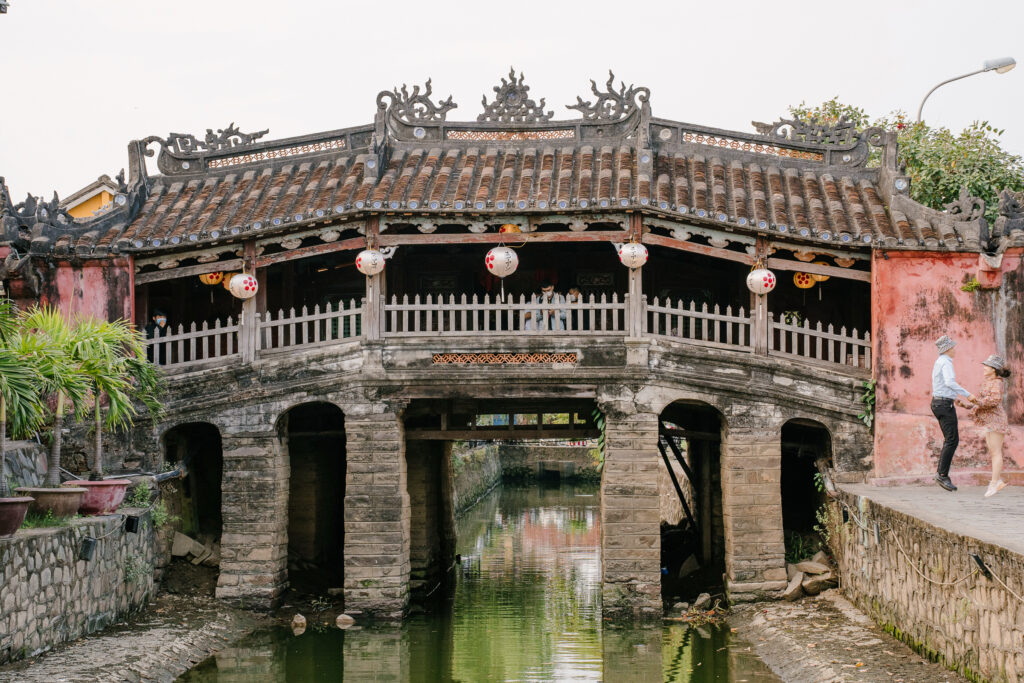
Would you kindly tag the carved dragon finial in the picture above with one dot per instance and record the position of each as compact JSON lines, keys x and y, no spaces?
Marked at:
{"x":611,"y":105}
{"x":966,"y":208}
{"x":414,"y":107}
{"x":511,"y":103}
{"x":187,"y":144}
{"x":1011,"y":212}
{"x":813,"y":131}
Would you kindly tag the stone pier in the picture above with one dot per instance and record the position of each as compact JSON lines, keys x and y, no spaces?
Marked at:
{"x":254,"y":499}
{"x":377,"y":513}
{"x":630,"y":513}
{"x":755,"y":564}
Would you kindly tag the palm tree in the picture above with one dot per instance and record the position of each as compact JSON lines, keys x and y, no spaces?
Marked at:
{"x":62,"y":372}
{"x":21,"y":384}
{"x":113,"y":356}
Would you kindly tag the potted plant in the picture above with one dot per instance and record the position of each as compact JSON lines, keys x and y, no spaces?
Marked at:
{"x":21,"y":407}
{"x":113,"y":358}
{"x":64,"y":380}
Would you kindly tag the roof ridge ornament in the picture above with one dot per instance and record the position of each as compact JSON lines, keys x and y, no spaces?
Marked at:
{"x":814,"y":131}
{"x":611,"y":105}
{"x":414,"y":107}
{"x":966,"y":207}
{"x":188,"y":144}
{"x":511,"y":103}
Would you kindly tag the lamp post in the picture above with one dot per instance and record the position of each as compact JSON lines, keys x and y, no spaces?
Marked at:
{"x":1000,"y":66}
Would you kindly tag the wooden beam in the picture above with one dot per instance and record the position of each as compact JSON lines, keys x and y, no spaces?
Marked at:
{"x":691,"y":435}
{"x":501,"y":434}
{"x":831,"y":271}
{"x":713,"y":252}
{"x":187,"y":271}
{"x":307,"y":252}
{"x":389,"y":240}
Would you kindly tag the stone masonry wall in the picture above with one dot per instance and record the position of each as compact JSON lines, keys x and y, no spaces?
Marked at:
{"x":569,"y":461}
{"x":975,"y":627}
{"x":477,"y":470}
{"x":49,"y":596}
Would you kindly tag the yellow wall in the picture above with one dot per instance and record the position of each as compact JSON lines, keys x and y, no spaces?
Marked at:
{"x":86,"y":208}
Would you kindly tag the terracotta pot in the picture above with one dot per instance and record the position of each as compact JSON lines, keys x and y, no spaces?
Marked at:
{"x":63,"y":500}
{"x":102,"y":496}
{"x":12,"y":514}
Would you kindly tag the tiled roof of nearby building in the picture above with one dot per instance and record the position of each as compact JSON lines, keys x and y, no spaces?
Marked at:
{"x":816,"y":183}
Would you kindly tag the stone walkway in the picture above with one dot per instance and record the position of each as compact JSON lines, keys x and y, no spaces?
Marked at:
{"x":167,"y":640}
{"x":825,"y":639}
{"x":998,"y":520}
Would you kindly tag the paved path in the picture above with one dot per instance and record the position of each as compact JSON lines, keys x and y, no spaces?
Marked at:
{"x":998,"y":520}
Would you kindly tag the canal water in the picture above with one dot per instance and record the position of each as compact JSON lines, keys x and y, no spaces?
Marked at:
{"x":526,"y":606}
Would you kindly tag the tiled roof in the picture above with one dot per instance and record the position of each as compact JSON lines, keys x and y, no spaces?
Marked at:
{"x":805,"y":183}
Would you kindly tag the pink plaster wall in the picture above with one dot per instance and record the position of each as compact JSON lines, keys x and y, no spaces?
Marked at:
{"x":917,"y":298}
{"x":101,"y":289}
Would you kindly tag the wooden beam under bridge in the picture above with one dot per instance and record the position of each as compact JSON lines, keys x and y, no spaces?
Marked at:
{"x":531,"y":432}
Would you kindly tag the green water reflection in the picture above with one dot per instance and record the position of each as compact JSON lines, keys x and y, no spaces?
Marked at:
{"x":526,"y":607}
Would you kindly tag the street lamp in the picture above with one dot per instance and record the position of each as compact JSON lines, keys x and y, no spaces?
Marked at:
{"x":1000,"y":66}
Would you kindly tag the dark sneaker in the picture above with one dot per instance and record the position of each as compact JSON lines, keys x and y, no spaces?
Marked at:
{"x":945,"y":482}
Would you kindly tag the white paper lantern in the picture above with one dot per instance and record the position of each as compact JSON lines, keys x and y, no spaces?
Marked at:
{"x":501,"y":261}
{"x":243,"y":286}
{"x":633,"y":255}
{"x":761,"y":281}
{"x":370,"y":262}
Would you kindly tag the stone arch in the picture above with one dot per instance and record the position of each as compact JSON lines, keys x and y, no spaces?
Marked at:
{"x":807,"y":447}
{"x":693,"y":535}
{"x":198,"y":447}
{"x":312,"y":435}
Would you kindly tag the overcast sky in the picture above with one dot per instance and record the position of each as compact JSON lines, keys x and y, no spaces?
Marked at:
{"x":83,"y":77}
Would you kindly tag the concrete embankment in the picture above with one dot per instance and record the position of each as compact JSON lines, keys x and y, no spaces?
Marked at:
{"x":906,"y":558}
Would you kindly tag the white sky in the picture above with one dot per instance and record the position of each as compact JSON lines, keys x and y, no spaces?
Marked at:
{"x":83,"y":77}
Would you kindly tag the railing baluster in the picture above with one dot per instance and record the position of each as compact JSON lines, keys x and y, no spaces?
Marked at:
{"x":728,"y":325}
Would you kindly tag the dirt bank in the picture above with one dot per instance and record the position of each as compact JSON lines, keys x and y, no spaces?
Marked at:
{"x":825,"y":639}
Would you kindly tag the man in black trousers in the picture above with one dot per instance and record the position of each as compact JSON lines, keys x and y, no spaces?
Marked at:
{"x":945,"y":393}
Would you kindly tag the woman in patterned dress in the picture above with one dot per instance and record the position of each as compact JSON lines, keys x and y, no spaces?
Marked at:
{"x":990,"y":417}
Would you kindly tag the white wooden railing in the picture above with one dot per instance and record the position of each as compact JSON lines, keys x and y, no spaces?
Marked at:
{"x":723,"y":329}
{"x":823,"y":345}
{"x":472,"y":316}
{"x":187,"y":347}
{"x":307,"y":328}
{"x":457,"y":316}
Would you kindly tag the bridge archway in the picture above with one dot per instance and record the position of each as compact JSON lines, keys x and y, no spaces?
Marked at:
{"x":690,"y":489}
{"x":313,"y":435}
{"x":806,"y":451}
{"x":197,"y":446}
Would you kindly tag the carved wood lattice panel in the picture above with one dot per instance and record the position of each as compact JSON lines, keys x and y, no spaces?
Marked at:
{"x":503,"y":358}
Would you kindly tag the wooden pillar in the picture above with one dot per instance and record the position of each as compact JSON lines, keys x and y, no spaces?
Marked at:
{"x":759,"y":306}
{"x":249,"y":322}
{"x":372,"y":308}
{"x":634,"y":306}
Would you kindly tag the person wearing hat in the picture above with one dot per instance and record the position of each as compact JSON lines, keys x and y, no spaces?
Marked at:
{"x":945,"y":393}
{"x":990,"y":418}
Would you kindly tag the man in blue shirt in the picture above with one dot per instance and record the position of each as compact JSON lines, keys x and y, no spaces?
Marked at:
{"x":945,"y":393}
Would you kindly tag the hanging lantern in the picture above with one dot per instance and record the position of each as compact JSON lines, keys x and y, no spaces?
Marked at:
{"x":760,"y":280}
{"x":243,"y":286}
{"x":509,"y":227}
{"x":226,"y":280}
{"x":501,"y":261}
{"x":819,"y":278}
{"x":633,"y":255}
{"x":370,"y":262}
{"x":803,"y":280}
{"x":214,"y":278}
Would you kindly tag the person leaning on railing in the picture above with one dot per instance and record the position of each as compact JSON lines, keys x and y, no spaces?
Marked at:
{"x":155,"y":330}
{"x":550,"y":318}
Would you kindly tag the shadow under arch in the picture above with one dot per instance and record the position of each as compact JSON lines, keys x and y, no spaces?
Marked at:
{"x":806,"y":451}
{"x":197,"y":446}
{"x":692,"y":534}
{"x":314,"y":436}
